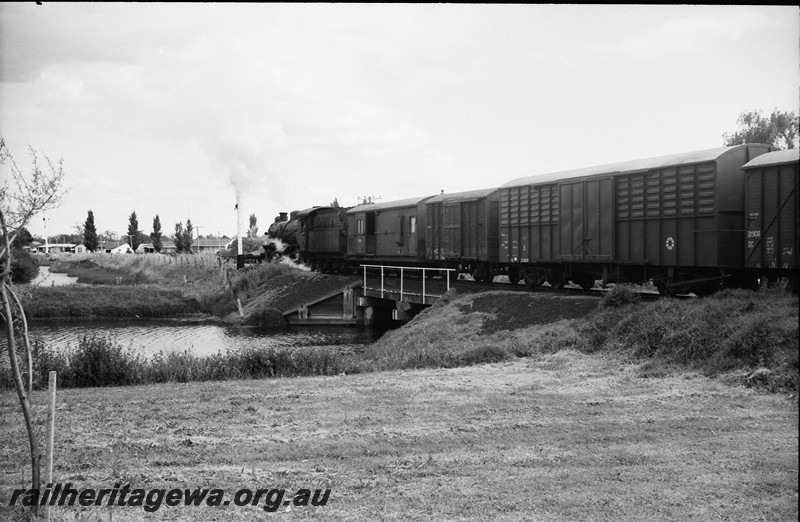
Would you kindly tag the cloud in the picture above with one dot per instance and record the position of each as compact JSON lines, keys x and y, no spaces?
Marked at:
{"x":683,"y":33}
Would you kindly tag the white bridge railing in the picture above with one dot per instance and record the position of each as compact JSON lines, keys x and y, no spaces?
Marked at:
{"x":403,"y":289}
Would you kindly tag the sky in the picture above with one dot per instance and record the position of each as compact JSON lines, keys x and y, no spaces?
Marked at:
{"x":177,"y":110}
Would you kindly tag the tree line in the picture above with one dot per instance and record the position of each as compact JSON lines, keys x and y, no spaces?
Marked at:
{"x":183,"y":238}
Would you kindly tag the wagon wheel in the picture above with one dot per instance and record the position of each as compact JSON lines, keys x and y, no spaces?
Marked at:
{"x":534,"y":277}
{"x":585,"y":281}
{"x":555,"y":278}
{"x":513,"y":276}
{"x":483,"y":274}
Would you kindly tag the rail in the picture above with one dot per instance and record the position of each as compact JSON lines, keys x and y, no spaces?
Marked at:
{"x":402,"y":270}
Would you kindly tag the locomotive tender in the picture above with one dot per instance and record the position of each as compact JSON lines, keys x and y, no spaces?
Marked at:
{"x":678,"y":222}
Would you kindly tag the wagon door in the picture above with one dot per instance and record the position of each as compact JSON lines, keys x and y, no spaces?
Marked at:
{"x":586,"y":220}
{"x":434,"y":231}
{"x":451,"y":231}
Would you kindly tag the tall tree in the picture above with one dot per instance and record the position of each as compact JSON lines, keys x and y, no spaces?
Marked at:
{"x":335,"y":203}
{"x":183,"y":237}
{"x":253,"y":230}
{"x":155,"y":235}
{"x":779,"y":130}
{"x":21,"y":199}
{"x":178,"y":237}
{"x":90,"y":239}
{"x":133,"y":231}
{"x":187,"y":237}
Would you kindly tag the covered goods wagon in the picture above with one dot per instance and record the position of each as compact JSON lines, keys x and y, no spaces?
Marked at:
{"x":771,"y":194}
{"x":677,"y":220}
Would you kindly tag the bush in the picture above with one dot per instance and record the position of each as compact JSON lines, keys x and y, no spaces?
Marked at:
{"x":101,"y":362}
{"x":620,"y":295}
{"x":24,"y":267}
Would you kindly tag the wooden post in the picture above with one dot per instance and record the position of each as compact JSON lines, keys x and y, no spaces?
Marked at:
{"x":51,"y":430}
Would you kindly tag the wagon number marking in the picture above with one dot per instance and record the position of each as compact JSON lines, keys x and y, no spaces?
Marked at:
{"x":753,"y":233}
{"x":670,"y":243}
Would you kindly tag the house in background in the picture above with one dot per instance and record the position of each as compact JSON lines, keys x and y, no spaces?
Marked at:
{"x":210,"y":244}
{"x":105,"y":247}
{"x":124,"y":248}
{"x":59,"y":248}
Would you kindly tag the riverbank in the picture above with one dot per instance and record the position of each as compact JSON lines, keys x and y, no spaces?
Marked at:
{"x":156,"y":286}
{"x":740,"y":338}
{"x":729,"y":335}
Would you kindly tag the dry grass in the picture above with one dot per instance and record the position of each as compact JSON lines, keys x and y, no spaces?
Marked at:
{"x":565,"y":436}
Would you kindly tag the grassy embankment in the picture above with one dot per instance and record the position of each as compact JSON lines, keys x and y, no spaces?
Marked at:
{"x":149,"y":286}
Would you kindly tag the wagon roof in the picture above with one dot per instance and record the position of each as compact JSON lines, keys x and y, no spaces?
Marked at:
{"x":389,"y":204}
{"x":778,"y":157}
{"x":683,"y":158}
{"x":470,"y":194}
{"x":308,"y":211}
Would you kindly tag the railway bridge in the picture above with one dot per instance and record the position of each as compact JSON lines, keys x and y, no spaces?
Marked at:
{"x":383,"y":293}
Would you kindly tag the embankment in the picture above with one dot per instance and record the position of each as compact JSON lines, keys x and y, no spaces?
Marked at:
{"x":729,"y":335}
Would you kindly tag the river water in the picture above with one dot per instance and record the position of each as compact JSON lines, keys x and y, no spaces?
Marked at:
{"x":202,"y":338}
{"x":151,"y":336}
{"x":48,"y":278}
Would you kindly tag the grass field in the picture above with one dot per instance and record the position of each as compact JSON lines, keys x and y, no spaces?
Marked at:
{"x":564,"y":436}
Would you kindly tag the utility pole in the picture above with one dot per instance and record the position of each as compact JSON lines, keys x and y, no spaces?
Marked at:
{"x":46,"y":244}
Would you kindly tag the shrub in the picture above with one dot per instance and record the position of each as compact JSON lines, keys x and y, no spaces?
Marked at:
{"x":100,"y":362}
{"x":620,"y":295}
{"x":24,"y":267}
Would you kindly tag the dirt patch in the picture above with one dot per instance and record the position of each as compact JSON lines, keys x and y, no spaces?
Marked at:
{"x":514,"y":310}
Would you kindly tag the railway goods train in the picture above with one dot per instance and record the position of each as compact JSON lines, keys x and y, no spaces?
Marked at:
{"x":685,"y":222}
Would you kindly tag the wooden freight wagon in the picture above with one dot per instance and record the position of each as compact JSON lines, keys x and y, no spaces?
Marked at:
{"x":674,"y":219}
{"x":385,"y":232}
{"x":772,"y":202}
{"x":462,"y":232}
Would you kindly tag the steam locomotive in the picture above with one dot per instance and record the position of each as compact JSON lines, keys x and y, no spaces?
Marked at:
{"x":685,"y":222}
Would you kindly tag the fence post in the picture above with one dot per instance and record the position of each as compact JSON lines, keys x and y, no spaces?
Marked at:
{"x":423,"y":286}
{"x":51,"y":430}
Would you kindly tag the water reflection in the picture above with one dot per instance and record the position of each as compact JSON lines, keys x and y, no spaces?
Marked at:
{"x":149,"y":337}
{"x":48,"y":278}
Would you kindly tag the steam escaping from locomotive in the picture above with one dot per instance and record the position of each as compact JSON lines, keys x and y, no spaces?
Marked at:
{"x":282,"y":237}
